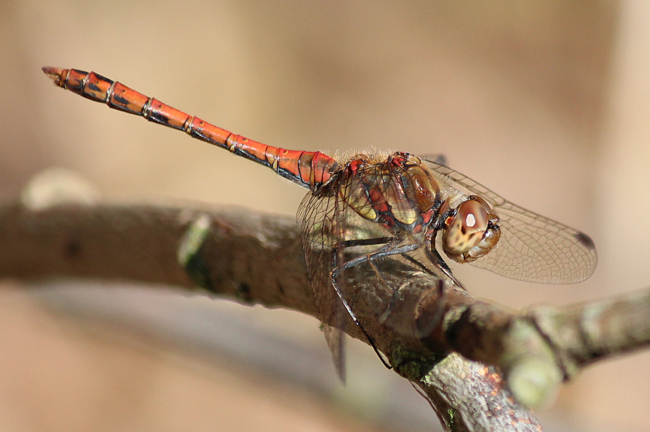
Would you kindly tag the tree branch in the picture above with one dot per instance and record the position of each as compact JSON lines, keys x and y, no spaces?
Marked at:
{"x":258,"y":259}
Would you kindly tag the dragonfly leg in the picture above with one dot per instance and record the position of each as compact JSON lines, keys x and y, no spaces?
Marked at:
{"x":387,"y":250}
{"x":369,"y":258}
{"x":437,"y":316}
{"x":356,"y":321}
{"x":368,"y":242}
{"x":334,"y":274}
{"x":379,"y":254}
{"x":437,"y":260}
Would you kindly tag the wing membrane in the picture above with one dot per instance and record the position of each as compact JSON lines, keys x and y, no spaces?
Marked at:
{"x":532,"y":248}
{"x":320,"y":226}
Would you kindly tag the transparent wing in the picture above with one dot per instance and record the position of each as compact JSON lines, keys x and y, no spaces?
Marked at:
{"x":320,"y":226}
{"x":438,"y":158}
{"x":532,"y":247}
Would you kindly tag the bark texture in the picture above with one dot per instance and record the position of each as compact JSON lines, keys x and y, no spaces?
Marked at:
{"x":478,"y":365}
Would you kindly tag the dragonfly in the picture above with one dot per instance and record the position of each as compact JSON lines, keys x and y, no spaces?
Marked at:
{"x":374,"y":206}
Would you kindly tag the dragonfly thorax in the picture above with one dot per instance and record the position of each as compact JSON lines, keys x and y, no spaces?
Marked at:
{"x":398,"y":191}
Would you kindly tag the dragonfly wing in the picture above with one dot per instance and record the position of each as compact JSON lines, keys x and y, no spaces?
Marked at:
{"x":321,"y":227}
{"x":439,"y":158}
{"x":532,"y":248}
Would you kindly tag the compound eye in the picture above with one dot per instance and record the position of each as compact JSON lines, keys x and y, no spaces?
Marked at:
{"x":466,"y":228}
{"x":471,"y":232}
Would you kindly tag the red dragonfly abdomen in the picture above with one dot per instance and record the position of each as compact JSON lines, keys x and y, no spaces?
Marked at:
{"x":308,"y":169}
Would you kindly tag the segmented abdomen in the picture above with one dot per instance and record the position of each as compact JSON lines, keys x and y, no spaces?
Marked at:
{"x":308,"y":169}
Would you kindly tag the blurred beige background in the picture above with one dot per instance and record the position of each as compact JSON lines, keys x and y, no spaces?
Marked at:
{"x":545,"y":102}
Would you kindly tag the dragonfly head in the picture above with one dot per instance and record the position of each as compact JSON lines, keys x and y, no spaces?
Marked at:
{"x":471,"y":231}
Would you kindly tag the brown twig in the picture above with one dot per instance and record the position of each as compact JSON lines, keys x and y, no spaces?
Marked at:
{"x":258,"y":259}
